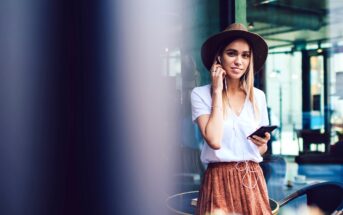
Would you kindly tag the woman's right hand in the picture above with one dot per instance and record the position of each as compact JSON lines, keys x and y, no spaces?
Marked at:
{"x":217,"y":76}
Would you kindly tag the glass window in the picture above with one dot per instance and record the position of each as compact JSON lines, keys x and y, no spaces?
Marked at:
{"x":303,"y":71}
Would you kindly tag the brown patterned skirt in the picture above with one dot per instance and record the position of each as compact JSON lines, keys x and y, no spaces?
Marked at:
{"x":233,"y":188}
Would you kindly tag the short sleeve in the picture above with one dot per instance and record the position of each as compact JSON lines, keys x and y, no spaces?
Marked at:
{"x":199,"y":105}
{"x":264,"y":110}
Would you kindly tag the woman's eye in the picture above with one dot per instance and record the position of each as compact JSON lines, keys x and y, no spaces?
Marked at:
{"x":245,"y":56}
{"x":231,"y":54}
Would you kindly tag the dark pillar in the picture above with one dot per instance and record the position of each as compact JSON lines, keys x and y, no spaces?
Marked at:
{"x":326,"y":92}
{"x":327,"y":113}
{"x":306,"y":90}
{"x":227,"y":13}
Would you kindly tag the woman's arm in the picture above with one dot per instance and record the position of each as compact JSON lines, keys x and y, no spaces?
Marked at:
{"x":261,"y":143}
{"x":211,"y":126}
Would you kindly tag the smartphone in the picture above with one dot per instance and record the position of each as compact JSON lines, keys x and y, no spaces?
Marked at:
{"x":262,"y":130}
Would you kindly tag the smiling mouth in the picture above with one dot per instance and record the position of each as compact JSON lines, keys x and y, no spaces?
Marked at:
{"x":235,"y":68}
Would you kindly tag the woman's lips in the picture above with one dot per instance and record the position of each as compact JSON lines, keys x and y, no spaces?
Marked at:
{"x":235,"y":69}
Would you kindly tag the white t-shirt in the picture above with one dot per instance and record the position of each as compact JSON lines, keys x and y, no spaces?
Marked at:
{"x":234,"y":146}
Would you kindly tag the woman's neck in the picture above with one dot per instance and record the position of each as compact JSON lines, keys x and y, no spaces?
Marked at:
{"x":233,"y":85}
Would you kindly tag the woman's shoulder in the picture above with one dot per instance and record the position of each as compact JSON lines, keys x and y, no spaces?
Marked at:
{"x":259,"y":96}
{"x":202,"y":90}
{"x":258,"y":93}
{"x":202,"y":93}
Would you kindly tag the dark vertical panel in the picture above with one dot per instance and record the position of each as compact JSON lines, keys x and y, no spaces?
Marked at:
{"x":326,"y":85}
{"x":54,"y":139}
{"x":259,"y":81}
{"x":92,"y":157}
{"x":306,"y":89}
{"x":226,"y":13}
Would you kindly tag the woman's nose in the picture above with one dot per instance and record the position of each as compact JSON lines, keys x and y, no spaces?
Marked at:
{"x":238,"y":60}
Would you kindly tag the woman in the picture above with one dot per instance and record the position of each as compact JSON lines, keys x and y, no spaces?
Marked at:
{"x":227,"y":112}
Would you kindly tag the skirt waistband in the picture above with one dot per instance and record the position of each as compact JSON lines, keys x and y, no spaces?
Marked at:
{"x":231,"y":164}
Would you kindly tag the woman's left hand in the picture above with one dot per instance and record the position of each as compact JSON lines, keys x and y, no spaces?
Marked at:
{"x":259,"y":141}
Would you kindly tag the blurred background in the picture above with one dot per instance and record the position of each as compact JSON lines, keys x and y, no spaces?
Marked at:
{"x":95,"y":108}
{"x":301,"y":78}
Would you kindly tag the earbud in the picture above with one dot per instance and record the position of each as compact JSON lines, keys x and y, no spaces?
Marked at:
{"x":218,"y":59}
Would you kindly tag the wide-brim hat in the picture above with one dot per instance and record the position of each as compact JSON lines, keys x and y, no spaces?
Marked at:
{"x":235,"y":31}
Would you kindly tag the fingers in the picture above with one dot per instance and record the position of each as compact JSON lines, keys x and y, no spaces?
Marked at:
{"x":217,"y":71}
{"x":215,"y":67}
{"x":217,"y":74}
{"x":259,"y":141}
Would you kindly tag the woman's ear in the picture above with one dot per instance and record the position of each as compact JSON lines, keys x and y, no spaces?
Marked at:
{"x":218,"y":59}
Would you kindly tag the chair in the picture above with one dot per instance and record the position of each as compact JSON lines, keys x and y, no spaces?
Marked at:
{"x":312,"y":136}
{"x":328,"y":196}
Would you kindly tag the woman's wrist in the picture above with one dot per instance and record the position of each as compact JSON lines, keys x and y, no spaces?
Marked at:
{"x":217,"y":100}
{"x":217,"y":92}
{"x":263,"y":149}
{"x":219,"y":107}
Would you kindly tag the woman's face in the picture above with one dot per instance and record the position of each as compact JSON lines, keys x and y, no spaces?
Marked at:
{"x":235,"y":58}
